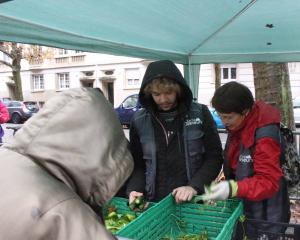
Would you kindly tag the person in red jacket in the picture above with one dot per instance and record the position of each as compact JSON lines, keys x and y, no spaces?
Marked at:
{"x":4,"y":117}
{"x":252,"y":156}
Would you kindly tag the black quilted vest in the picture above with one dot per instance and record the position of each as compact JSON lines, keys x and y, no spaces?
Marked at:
{"x":192,"y":140}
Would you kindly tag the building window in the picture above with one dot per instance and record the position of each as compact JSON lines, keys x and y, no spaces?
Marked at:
{"x":62,"y":51}
{"x":88,"y":74}
{"x":109,"y":72}
{"x":292,"y":66}
{"x":37,"y":82}
{"x":228,"y":72}
{"x":132,"y":78}
{"x":63,"y":80}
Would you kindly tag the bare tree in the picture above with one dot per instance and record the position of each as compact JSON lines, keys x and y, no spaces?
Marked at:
{"x":14,"y":52}
{"x":217,"y":75}
{"x":36,"y":54}
{"x":272,"y":85}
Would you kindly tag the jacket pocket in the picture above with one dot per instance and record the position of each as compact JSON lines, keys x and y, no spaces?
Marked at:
{"x":195,"y":143}
{"x":147,"y":146}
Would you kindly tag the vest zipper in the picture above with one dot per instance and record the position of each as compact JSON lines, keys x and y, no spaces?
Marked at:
{"x":164,"y":130}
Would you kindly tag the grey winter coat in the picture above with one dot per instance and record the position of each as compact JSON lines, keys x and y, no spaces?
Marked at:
{"x":69,"y":158}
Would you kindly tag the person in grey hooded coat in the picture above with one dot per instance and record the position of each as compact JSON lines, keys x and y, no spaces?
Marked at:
{"x":61,"y":167}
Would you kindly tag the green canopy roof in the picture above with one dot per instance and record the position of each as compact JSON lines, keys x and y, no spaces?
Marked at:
{"x":188,"y":32}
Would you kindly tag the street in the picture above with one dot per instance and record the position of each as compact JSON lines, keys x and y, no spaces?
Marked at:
{"x":8,"y":133}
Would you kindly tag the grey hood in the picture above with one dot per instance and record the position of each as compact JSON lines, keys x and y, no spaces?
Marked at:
{"x":77,"y":138}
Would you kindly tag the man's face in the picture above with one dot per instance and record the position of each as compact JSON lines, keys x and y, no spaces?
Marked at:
{"x":165,"y":100}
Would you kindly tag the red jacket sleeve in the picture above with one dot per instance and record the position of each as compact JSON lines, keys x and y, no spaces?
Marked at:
{"x":267,"y":172}
{"x":4,"y":114}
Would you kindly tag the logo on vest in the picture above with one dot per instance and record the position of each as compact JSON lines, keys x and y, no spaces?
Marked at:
{"x":245,"y":159}
{"x":193,"y":121}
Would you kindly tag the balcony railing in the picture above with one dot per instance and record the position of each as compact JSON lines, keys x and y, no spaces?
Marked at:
{"x":36,"y":62}
{"x":77,"y":58}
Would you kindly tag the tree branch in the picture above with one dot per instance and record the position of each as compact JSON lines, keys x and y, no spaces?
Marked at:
{"x":6,"y":63}
{"x":5,"y":51}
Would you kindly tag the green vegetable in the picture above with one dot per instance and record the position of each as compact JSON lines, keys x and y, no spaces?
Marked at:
{"x":112,"y":215}
{"x":114,"y":221}
{"x":242,"y":218}
{"x":130,"y":217}
{"x":202,"y":236}
{"x":138,"y":204}
{"x":138,"y":201}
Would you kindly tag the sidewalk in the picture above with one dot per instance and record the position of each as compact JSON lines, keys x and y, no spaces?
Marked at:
{"x":8,"y":133}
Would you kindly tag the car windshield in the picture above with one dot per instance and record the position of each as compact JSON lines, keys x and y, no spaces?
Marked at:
{"x":130,"y":102}
{"x":6,"y":103}
{"x":31,"y":105}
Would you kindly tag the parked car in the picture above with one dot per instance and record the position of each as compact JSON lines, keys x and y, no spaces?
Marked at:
{"x":127,"y":108}
{"x":5,"y":99}
{"x":216,"y":117}
{"x":131,"y":104}
{"x":21,"y":111}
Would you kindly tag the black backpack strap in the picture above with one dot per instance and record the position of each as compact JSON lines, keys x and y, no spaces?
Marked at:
{"x":271,"y":130}
{"x":226,"y":169}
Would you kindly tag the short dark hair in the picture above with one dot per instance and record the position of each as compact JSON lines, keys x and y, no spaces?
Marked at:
{"x":232,"y":97}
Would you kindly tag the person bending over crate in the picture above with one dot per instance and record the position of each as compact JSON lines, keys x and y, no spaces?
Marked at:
{"x":59,"y":169}
{"x":252,"y":165}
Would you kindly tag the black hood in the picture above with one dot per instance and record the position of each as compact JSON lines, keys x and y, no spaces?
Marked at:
{"x":168,"y":69}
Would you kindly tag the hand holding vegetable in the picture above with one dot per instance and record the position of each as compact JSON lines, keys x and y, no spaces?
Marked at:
{"x":221,"y":191}
{"x":137,"y":201}
{"x":184,"y":193}
{"x":133,"y":195}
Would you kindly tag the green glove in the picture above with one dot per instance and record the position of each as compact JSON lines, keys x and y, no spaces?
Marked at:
{"x":233,"y":188}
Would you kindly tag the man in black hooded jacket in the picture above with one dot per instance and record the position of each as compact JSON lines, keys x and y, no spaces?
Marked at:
{"x":173,"y":140}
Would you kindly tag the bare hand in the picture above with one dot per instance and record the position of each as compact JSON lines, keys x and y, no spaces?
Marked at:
{"x":184,"y":193}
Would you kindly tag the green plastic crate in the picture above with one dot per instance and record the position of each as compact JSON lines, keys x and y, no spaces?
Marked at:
{"x":122,"y":208}
{"x":167,"y":218}
{"x":120,"y":203}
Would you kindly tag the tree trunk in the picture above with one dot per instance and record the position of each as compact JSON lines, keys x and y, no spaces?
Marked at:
{"x":218,"y":75}
{"x":18,"y":83}
{"x":272,"y":85}
{"x":16,"y":52}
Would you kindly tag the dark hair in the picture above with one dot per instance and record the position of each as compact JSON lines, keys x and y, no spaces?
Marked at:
{"x":162,"y":84}
{"x":232,"y":97}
